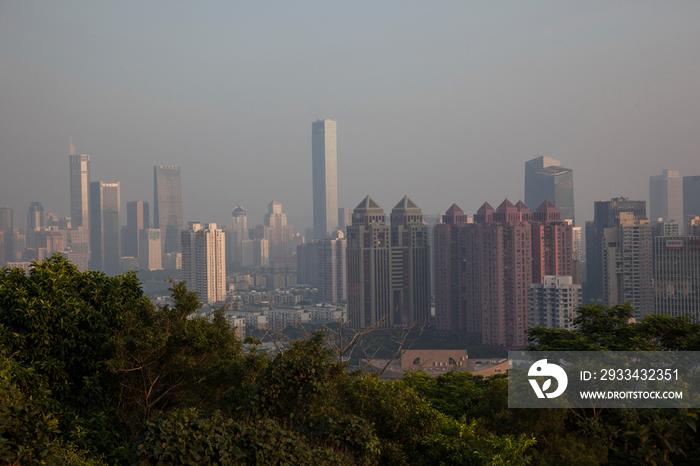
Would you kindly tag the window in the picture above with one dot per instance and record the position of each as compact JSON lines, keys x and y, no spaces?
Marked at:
{"x":416,"y":361}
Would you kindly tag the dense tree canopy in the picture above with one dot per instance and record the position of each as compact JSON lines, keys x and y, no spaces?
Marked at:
{"x":91,"y":372}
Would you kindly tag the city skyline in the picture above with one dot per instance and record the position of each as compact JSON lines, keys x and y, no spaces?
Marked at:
{"x":477,"y":91}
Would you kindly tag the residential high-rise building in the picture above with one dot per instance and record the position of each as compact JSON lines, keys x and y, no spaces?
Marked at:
{"x":239,"y":234}
{"x":691,"y":198}
{"x":677,"y":276}
{"x":167,"y":204}
{"x":410,"y":263}
{"x":451,"y":271}
{"x":553,"y":302}
{"x":149,"y":249}
{"x":105,"y":244}
{"x":137,"y":219}
{"x":332,"y":269}
{"x":388,"y":271}
{"x":204,"y":261}
{"x":546,"y":179}
{"x":307,"y":263}
{"x":324,"y":160}
{"x":483,"y":270}
{"x":605,"y":215}
{"x":628,"y":264}
{"x":666,"y":197}
{"x":79,"y":188}
{"x":670,"y":228}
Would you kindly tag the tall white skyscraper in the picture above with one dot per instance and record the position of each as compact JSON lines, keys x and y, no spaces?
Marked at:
{"x":666,"y":197}
{"x":204,"y":261}
{"x":324,"y":159}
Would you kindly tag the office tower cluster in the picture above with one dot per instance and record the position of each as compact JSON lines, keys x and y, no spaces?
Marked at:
{"x":388,"y":269}
{"x":484,"y":269}
{"x":649,"y":261}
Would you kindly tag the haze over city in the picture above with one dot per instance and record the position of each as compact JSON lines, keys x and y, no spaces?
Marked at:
{"x":443,"y":101}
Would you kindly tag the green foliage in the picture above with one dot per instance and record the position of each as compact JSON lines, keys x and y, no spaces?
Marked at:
{"x":56,"y":324}
{"x":187,"y":438}
{"x":298,"y":381}
{"x":603,"y":328}
{"x":165,"y":358}
{"x":456,"y":394}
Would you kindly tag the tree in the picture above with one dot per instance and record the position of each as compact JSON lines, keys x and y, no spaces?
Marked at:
{"x":167,"y":358}
{"x":55,"y":325}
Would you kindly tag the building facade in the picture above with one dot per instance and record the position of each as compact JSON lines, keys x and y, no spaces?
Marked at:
{"x":606,"y":213}
{"x":167,"y":205}
{"x":332,"y":269}
{"x":628,"y":264}
{"x":677,"y":276}
{"x":278,"y":233}
{"x":546,"y":179}
{"x":105,"y":243}
{"x":666,"y":197}
{"x":388,"y":271}
{"x":7,"y":227}
{"x":137,"y":219}
{"x":204,"y":261}
{"x":553,"y":302}
{"x":149,"y":249}
{"x":79,"y":188}
{"x":239,"y":234}
{"x":484,"y":269}
{"x":691,"y":198}
{"x":324,"y":161}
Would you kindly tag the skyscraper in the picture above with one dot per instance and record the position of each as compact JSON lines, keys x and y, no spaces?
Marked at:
{"x":545,"y":178}
{"x":332,"y":269}
{"x":677,"y":276}
{"x":410,"y":263}
{"x":239,"y":234}
{"x":484,"y":270}
{"x":167,"y":204}
{"x":204,"y":261}
{"x":666,"y":197}
{"x":691,"y":199}
{"x":280,"y":234}
{"x":36,"y":221}
{"x":137,"y":219}
{"x":628,"y":265}
{"x":388,"y":270}
{"x":605,"y":215}
{"x":79,"y":188}
{"x":149,"y":249}
{"x":8,"y":232}
{"x":324,"y":160}
{"x":105,"y":244}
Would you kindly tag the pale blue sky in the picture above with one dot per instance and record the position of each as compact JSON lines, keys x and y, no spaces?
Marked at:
{"x":443,"y":101}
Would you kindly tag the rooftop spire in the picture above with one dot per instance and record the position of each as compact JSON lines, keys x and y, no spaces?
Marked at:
{"x":71,"y":148}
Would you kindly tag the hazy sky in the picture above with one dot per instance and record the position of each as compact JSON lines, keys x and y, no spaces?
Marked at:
{"x":443,"y":101}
